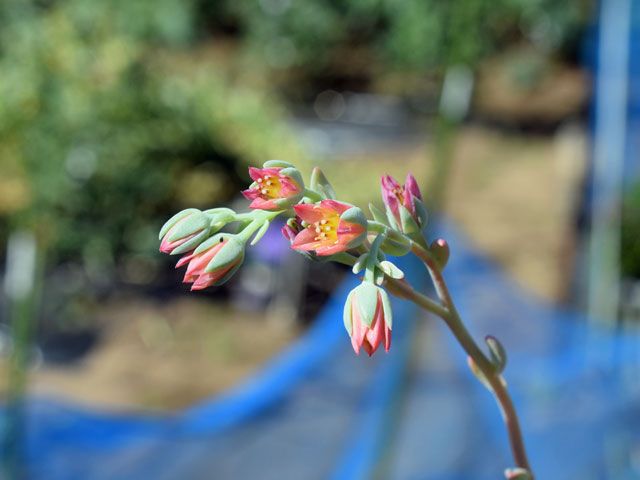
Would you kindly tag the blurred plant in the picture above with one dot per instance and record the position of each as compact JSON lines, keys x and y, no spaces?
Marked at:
{"x":415,"y":34}
{"x":107,"y":122}
{"x":325,"y":229}
{"x":630,"y":247}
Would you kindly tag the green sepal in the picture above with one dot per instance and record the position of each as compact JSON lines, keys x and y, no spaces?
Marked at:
{"x":386,"y":306}
{"x":276,"y":164}
{"x":191,"y":243}
{"x":392,"y":220}
{"x":223,"y":211}
{"x":354,"y":215}
{"x":231,"y":252}
{"x":391,"y":270}
{"x":173,"y":220}
{"x":320,"y":184}
{"x":378,"y":276}
{"x":367,"y":301}
{"x":409,"y":224}
{"x":393,"y":247}
{"x":346,"y":313}
{"x":229,"y":274}
{"x":421,"y":213}
{"x":378,"y":215}
{"x":497,"y":353}
{"x":360,"y":263}
{"x":188,"y":225}
{"x":206,"y":245}
{"x":263,"y":229}
{"x":294,"y":174}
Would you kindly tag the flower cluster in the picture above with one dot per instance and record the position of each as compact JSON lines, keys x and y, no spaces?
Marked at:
{"x":319,"y":226}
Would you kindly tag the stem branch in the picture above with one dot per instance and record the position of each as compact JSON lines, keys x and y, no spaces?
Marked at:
{"x":451,"y":317}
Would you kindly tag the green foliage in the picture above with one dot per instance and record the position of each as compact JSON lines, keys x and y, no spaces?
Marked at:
{"x":630,"y":246}
{"x":414,"y":34}
{"x":108,"y":121}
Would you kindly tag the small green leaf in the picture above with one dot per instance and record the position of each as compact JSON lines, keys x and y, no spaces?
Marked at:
{"x":391,"y":270}
{"x":497,"y":353}
{"x":378,"y":215}
{"x":320,"y":184}
{"x":263,"y":229}
{"x":360,"y":263}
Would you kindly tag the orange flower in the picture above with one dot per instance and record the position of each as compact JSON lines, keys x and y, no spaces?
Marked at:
{"x":333,"y":227}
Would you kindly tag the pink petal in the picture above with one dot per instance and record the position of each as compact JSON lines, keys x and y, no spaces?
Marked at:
{"x":262,"y":204}
{"x":256,"y":173}
{"x":305,"y":240}
{"x":310,"y":212}
{"x":359,"y":330}
{"x":325,"y":250}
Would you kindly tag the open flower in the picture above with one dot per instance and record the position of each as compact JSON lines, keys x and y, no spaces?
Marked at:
{"x":184,"y":231}
{"x":213,"y":262}
{"x":274,"y":188}
{"x":405,"y":209}
{"x":333,"y":227}
{"x":368,"y":318}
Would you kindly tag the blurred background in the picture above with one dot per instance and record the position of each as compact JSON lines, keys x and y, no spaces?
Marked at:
{"x":520,"y":119}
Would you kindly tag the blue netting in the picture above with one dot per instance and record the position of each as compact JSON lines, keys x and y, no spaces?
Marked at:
{"x":319,"y":412}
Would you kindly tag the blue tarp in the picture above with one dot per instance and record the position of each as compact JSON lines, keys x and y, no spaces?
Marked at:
{"x":320,"y":412}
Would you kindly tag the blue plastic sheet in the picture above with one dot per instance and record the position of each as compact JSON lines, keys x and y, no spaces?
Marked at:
{"x":317,"y":411}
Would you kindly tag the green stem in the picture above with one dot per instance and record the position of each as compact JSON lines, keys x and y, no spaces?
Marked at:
{"x":312,"y":195}
{"x":453,"y":320}
{"x":259,"y":217}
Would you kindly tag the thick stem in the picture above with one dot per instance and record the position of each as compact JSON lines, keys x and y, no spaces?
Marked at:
{"x":457,"y":327}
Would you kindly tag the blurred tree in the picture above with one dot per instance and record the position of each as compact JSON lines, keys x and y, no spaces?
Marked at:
{"x":314,"y":35}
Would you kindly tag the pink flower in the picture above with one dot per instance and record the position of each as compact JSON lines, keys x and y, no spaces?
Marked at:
{"x":214,"y":262}
{"x":333,"y":227}
{"x":368,"y":318}
{"x":274,"y":188}
{"x":397,"y":197}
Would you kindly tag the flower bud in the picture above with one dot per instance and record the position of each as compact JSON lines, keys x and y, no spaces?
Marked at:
{"x":368,"y":318}
{"x":184,"y":231}
{"x":440,"y":251}
{"x":213,"y":262}
{"x":517,"y":474}
{"x":405,"y":209}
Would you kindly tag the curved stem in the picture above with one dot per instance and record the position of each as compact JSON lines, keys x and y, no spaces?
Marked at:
{"x":454,"y":322}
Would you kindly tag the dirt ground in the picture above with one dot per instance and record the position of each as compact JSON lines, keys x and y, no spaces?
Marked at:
{"x":513,"y":194}
{"x":165,"y":356}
